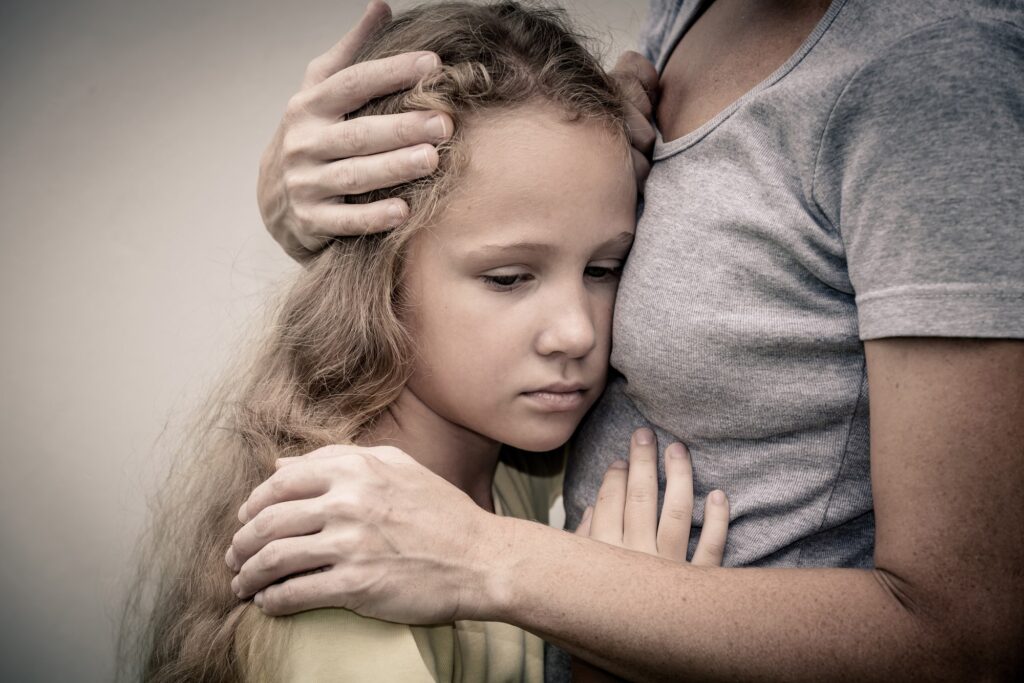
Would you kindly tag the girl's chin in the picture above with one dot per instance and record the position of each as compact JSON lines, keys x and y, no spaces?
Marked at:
{"x":541,"y":443}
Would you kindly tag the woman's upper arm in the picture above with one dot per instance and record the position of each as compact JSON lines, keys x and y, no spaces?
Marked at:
{"x":947,"y":460}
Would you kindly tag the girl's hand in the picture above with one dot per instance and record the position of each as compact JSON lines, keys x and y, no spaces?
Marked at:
{"x":625,"y":513}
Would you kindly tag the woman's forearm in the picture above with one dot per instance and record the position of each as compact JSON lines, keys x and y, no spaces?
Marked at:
{"x":946,"y":599}
{"x":713,"y":623}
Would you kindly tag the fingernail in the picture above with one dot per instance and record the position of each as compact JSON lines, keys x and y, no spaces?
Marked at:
{"x":644,"y":437}
{"x":234,"y":587}
{"x":587,"y":513}
{"x":422,"y":159}
{"x":436,"y":128}
{"x":426,"y":64}
{"x":717,"y":497}
{"x":258,"y":599}
{"x":676,"y":451}
{"x":619,"y":465}
{"x":242,"y":517}
{"x":229,"y":559}
{"x":396,"y":214}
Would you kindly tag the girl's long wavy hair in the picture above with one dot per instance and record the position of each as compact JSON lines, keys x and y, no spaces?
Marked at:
{"x":339,"y":352}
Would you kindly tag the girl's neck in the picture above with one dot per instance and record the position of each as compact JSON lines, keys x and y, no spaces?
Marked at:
{"x":464,"y":458}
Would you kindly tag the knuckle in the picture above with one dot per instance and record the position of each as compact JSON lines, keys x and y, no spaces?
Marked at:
{"x":406,"y":128}
{"x":315,"y":68}
{"x":304,"y":218}
{"x":269,"y":559}
{"x":714,"y":548}
{"x":263,"y":523}
{"x":294,"y":145}
{"x":298,"y":106}
{"x":277,"y":598}
{"x":348,"y":178}
{"x":678,"y":513}
{"x":613,"y":475}
{"x":352,"y":83}
{"x":355,"y":136}
{"x":279,"y":485}
{"x":640,"y":496}
{"x":295,"y":182}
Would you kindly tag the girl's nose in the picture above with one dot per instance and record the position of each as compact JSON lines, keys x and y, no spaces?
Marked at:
{"x":569,"y":328}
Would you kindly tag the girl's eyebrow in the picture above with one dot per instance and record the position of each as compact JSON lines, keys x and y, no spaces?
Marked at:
{"x":623,"y":241}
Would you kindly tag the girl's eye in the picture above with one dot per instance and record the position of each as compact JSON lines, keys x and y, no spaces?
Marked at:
{"x":603,"y":272}
{"x":505,"y":280}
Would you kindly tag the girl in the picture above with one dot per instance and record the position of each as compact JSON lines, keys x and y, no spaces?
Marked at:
{"x":476,"y":331}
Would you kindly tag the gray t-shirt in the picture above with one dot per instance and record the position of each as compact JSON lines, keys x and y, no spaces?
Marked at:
{"x":871,"y":187}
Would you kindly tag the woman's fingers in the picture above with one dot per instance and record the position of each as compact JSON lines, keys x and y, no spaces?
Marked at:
{"x":640,"y":514}
{"x":352,"y":87}
{"x":288,"y":483}
{"x":677,"y":508}
{"x":362,"y":174}
{"x":299,"y":593}
{"x":344,"y":51}
{"x":279,"y":559}
{"x":374,"y":134}
{"x":711,"y":546}
{"x":606,"y":524}
{"x":291,"y":518}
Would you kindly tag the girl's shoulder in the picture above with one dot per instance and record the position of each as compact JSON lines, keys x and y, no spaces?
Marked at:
{"x":328,"y":645}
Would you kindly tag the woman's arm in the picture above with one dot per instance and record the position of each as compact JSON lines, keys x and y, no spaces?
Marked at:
{"x":946,"y":599}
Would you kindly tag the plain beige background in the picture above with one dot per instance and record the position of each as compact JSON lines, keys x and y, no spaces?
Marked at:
{"x":132,"y":260}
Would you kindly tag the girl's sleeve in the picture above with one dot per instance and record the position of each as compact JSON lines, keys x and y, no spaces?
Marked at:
{"x":329,"y":645}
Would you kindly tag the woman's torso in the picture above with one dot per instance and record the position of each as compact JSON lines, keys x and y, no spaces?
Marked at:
{"x":737,"y":326}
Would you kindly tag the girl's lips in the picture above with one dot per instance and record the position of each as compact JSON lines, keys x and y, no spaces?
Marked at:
{"x":556,"y":401}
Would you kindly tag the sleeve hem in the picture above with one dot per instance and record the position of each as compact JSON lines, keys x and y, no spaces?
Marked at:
{"x":974,"y":311}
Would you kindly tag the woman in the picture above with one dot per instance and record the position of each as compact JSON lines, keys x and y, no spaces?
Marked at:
{"x":832,"y":222}
{"x":483,"y":321}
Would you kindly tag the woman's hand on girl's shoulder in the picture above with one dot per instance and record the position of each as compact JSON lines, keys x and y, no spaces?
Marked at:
{"x":363,"y":528}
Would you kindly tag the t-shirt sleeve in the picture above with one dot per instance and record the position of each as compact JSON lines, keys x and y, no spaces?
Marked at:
{"x":921,"y":170}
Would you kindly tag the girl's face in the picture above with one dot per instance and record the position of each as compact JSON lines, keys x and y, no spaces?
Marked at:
{"x":512,"y":290}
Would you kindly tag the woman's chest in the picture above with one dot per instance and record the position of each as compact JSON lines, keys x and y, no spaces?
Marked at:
{"x":731,"y":47}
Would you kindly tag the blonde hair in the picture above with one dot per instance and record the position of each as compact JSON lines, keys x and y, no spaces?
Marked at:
{"x":339,"y":353}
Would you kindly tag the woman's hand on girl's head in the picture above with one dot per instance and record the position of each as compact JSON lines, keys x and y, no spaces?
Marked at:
{"x":317,"y":158}
{"x":626,"y":511}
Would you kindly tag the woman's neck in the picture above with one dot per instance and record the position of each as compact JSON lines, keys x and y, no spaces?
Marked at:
{"x":464,"y":458}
